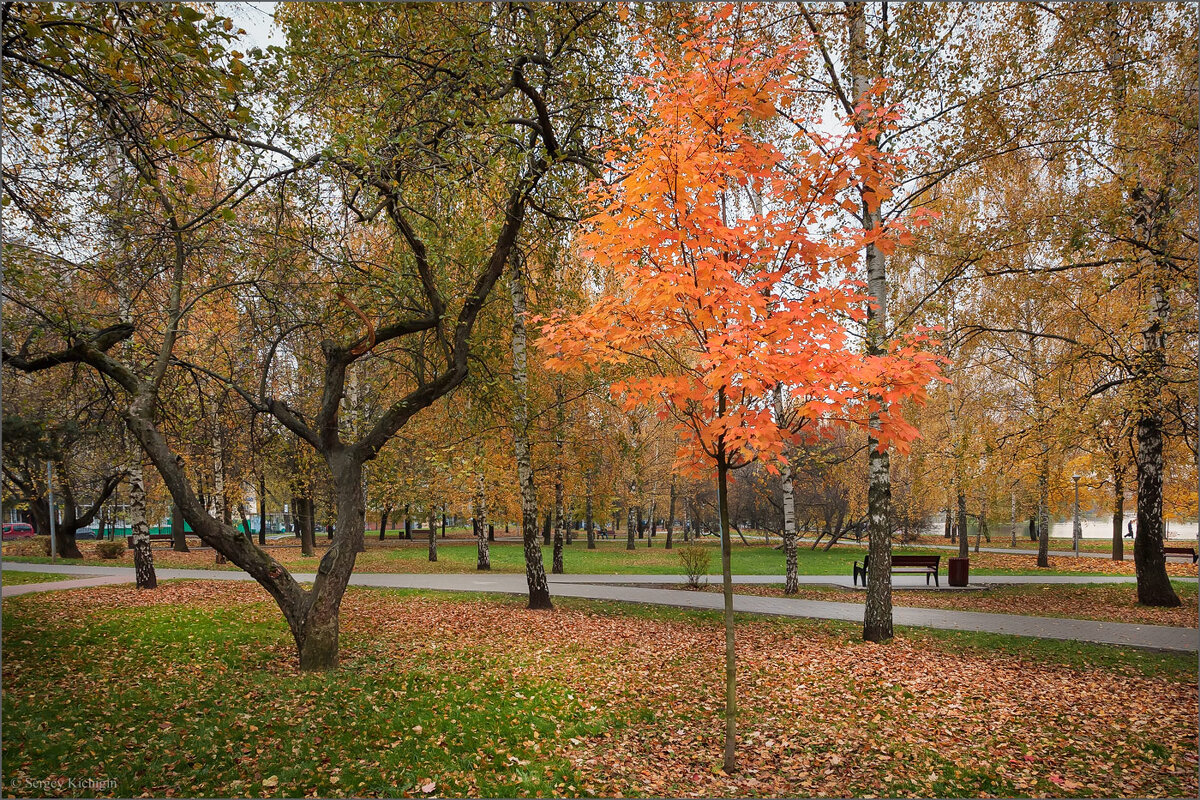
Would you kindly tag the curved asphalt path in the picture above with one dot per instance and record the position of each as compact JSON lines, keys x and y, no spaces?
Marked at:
{"x":634,"y":589}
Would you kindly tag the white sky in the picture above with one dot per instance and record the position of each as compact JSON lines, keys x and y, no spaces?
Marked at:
{"x":256,"y":19}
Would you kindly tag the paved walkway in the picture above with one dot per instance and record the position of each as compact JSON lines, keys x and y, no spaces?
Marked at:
{"x":633,"y":589}
{"x":77,"y":583}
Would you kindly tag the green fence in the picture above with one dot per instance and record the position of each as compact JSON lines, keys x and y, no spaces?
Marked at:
{"x":124,"y":530}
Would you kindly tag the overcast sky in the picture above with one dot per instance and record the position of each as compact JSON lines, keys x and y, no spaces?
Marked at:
{"x":256,"y":19}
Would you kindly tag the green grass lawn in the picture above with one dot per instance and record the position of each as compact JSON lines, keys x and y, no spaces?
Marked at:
{"x":609,"y":557}
{"x":204,"y":702}
{"x":612,"y":558}
{"x":15,"y":578}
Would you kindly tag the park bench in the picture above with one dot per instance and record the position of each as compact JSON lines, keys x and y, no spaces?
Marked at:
{"x":1190,"y":552}
{"x":912,"y":565}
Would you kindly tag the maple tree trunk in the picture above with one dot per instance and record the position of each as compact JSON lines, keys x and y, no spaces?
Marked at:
{"x":1043,"y":524}
{"x":670,"y":513}
{"x":316,"y":629}
{"x":139,"y":533}
{"x":408,"y":521}
{"x":383,"y":521}
{"x":39,"y":513}
{"x":432,"y":537}
{"x":730,"y":764}
{"x":308,"y":526}
{"x":587,"y":515}
{"x":949,"y":523}
{"x":444,"y":521}
{"x":1118,"y":516}
{"x":178,"y":531}
{"x":630,"y":529}
{"x":64,"y":537}
{"x":262,"y":510}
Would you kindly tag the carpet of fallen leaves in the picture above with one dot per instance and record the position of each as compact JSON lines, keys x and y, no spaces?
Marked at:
{"x":1083,"y":564}
{"x":1023,"y":542}
{"x":821,"y":714}
{"x":1104,"y":602}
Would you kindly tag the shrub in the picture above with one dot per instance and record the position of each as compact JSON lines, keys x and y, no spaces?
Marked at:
{"x":113,"y":549}
{"x":695,"y":564}
{"x":37,"y":546}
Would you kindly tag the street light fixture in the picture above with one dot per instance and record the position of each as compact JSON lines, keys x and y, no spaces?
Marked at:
{"x":1077,"y":531}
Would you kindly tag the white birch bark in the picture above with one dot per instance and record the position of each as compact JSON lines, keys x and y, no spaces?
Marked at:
{"x":219,"y":501}
{"x":791,"y":581}
{"x":535,"y":570}
{"x":483,"y":552}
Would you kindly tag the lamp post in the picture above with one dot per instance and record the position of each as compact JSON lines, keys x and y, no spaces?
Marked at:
{"x":1077,"y":531}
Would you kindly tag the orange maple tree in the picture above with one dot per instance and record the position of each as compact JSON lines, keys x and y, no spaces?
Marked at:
{"x":730,"y":267}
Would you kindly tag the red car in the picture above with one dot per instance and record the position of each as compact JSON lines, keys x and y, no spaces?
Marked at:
{"x":17,"y":530}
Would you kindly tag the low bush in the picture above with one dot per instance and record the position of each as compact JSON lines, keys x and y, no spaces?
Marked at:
{"x":113,"y":549}
{"x":37,"y":546}
{"x":695,"y":564}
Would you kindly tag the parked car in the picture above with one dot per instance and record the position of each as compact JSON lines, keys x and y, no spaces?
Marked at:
{"x":17,"y":530}
{"x":87,"y":533}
